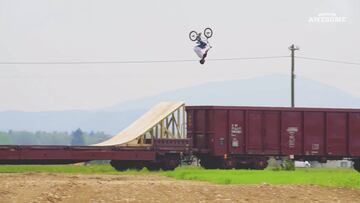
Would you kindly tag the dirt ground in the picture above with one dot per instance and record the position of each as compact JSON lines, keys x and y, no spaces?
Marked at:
{"x":34,"y":187}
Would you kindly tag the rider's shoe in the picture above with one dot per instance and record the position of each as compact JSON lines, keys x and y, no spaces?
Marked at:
{"x":202,"y":61}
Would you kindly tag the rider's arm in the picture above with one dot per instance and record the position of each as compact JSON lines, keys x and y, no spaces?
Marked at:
{"x":202,"y":43}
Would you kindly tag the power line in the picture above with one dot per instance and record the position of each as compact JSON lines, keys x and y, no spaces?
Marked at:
{"x":90,"y":62}
{"x":328,"y":60}
{"x":167,"y":61}
{"x":247,"y":58}
{"x":134,"y":62}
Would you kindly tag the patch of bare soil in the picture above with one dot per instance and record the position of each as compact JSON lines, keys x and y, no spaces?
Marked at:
{"x":31,"y":187}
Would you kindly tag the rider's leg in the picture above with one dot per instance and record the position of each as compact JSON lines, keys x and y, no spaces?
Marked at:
{"x":199,"y":51}
{"x":205,"y":54}
{"x":202,"y":61}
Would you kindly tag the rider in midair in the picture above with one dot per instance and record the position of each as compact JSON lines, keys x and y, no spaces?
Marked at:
{"x":202,"y":48}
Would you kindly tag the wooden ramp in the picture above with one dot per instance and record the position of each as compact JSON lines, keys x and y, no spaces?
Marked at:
{"x":165,"y":120}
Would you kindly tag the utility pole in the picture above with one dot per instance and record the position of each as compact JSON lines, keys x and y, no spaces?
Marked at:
{"x":293,"y":48}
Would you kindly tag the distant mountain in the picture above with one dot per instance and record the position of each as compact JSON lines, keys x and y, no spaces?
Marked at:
{"x":108,"y":122}
{"x":273,"y":90}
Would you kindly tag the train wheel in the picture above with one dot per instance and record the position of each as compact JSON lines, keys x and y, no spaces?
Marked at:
{"x":151,"y":166}
{"x":205,"y":164}
{"x":138,"y":166}
{"x":357,"y":165}
{"x":228,"y":164}
{"x":209,"y":163}
{"x":243,"y":166}
{"x":120,"y":165}
{"x":170,"y":163}
{"x":259,"y":164}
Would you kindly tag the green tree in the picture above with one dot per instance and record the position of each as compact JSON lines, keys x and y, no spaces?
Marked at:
{"x":77,"y":137}
{"x":288,"y":165}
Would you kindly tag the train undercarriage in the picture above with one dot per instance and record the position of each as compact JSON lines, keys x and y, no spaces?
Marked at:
{"x":242,"y":162}
{"x":256,"y":162}
{"x":357,"y":164}
{"x":166,"y":162}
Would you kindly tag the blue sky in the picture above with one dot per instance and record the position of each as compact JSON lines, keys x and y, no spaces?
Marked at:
{"x":85,"y":30}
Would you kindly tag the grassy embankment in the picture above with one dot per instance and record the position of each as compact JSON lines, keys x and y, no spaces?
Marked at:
{"x":324,"y":177}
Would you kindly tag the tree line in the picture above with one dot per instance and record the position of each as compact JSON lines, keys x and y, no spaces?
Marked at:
{"x":76,"y":137}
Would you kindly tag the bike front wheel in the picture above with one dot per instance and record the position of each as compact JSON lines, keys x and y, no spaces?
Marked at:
{"x":208,"y":32}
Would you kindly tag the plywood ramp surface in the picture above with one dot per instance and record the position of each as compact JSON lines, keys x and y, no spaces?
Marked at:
{"x":143,"y":124}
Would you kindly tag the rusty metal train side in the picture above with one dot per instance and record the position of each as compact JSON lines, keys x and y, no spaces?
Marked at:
{"x":247,"y":135}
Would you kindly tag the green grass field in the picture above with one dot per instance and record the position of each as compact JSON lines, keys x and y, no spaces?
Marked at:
{"x":324,"y":177}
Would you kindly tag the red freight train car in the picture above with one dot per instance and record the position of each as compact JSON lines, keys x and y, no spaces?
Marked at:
{"x":162,"y":153}
{"x":244,"y":137}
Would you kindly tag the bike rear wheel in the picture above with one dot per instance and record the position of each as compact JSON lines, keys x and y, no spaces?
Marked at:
{"x":193,"y":35}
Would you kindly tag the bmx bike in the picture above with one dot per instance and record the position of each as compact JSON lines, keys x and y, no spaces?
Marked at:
{"x":193,"y":35}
